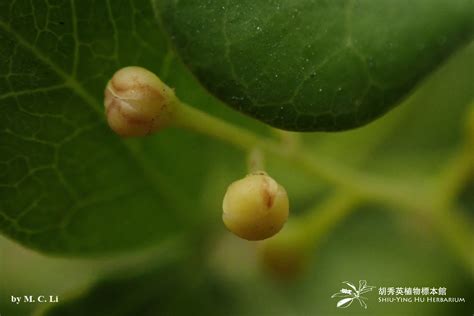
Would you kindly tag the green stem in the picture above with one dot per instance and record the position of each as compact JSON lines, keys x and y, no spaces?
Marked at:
{"x":456,"y":231}
{"x":459,"y":170}
{"x":289,"y":140}
{"x":322,"y":218}
{"x":318,"y":221}
{"x":350,"y":180}
{"x":193,"y":119}
{"x":255,"y":160}
{"x":361,"y":186}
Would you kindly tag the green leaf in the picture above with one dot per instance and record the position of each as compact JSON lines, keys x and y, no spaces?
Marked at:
{"x":410,"y":142}
{"x":408,"y":147}
{"x":67,"y":183}
{"x":315,"y":65}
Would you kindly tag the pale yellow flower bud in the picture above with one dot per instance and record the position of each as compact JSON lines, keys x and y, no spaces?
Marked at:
{"x":137,"y":102}
{"x":255,"y":207}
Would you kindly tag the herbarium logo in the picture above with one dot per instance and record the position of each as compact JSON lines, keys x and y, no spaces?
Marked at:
{"x":349,"y":295}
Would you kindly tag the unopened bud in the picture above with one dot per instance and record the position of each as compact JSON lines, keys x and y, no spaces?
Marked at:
{"x":138,"y":103}
{"x":255,"y":207}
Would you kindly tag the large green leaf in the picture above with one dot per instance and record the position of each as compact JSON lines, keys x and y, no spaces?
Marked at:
{"x":315,"y":65}
{"x":410,"y":144}
{"x":67,"y":183}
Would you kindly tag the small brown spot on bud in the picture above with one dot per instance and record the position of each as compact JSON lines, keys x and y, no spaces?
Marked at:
{"x":269,"y":191}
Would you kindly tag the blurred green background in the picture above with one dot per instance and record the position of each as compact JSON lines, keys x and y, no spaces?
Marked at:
{"x":177,"y":258}
{"x":211,"y":272}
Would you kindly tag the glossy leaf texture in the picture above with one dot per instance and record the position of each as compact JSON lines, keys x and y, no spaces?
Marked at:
{"x":68,"y":184}
{"x":318,"y":65}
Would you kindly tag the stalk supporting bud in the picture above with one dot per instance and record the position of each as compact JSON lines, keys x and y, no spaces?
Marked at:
{"x":138,"y":103}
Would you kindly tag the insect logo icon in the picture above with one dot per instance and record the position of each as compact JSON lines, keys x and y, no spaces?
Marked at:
{"x":349,"y":295}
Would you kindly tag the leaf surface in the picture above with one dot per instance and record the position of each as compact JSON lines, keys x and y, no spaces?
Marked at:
{"x":315,"y":65}
{"x":68,"y":184}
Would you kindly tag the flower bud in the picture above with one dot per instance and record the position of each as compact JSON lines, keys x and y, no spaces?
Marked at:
{"x":137,"y":102}
{"x":255,"y":207}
